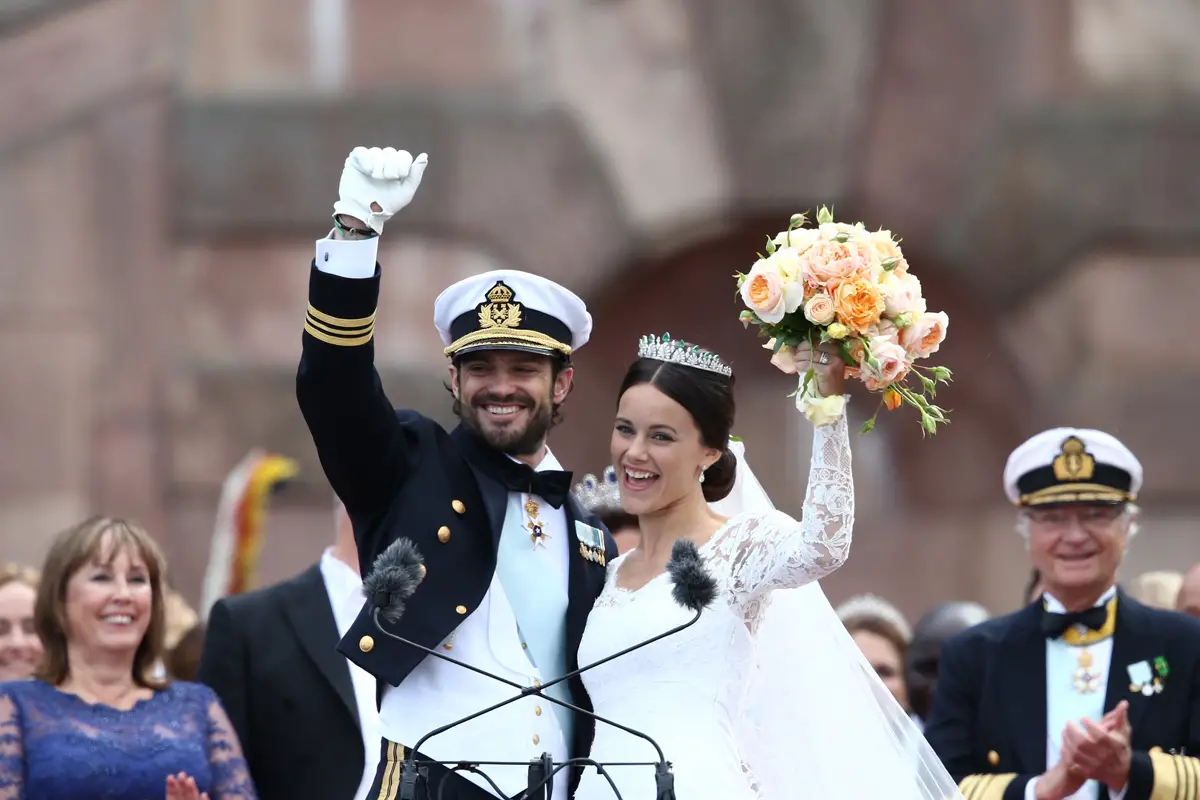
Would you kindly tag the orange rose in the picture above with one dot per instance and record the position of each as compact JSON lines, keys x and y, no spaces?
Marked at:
{"x":892,"y":399}
{"x":858,"y":303}
{"x":923,"y":338}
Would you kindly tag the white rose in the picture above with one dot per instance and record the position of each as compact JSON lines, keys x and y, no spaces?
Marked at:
{"x":821,"y":411}
{"x":902,"y":295}
{"x":799,"y":239}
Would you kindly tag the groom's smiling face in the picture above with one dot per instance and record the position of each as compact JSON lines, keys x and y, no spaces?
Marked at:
{"x":509,"y":397}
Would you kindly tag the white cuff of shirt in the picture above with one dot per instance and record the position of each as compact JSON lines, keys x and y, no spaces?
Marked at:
{"x":348,"y":258}
{"x":1031,"y":790}
{"x":1118,"y":795}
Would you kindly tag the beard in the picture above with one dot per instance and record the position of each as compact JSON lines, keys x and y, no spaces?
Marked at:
{"x":509,"y":439}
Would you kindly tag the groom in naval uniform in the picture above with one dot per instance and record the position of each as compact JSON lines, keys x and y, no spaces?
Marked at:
{"x":512,"y":565}
{"x":1085,"y":693}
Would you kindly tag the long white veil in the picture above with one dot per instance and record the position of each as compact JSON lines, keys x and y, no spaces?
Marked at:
{"x":818,"y":721}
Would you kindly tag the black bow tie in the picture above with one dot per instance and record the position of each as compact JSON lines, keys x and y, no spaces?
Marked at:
{"x":551,"y":485}
{"x":1055,"y":625}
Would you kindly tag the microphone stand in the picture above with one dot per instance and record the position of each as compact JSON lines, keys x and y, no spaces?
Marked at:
{"x":662,"y":773}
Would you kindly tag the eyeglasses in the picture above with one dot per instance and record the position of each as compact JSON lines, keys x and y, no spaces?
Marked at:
{"x":1087,"y":516}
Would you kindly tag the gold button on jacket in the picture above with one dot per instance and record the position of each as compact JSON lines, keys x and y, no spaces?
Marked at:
{"x":461,"y":609}
{"x":443,"y":534}
{"x":458,"y":507}
{"x":993,"y":757}
{"x":366,"y":644}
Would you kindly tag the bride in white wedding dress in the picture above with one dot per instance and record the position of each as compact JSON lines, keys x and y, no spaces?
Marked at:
{"x":766,"y":697}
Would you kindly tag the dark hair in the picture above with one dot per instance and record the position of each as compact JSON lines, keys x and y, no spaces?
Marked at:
{"x":708,"y":397}
{"x":557,"y":365}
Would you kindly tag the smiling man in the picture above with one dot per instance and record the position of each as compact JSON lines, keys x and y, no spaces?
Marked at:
{"x":512,"y":564}
{"x":1085,"y":693}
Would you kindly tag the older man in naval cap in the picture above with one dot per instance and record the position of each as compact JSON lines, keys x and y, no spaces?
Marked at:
{"x":1084,"y":693}
{"x":511,"y":563}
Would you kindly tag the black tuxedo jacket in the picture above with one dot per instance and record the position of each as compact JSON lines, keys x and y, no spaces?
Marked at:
{"x":269,"y":655}
{"x":400,"y":474}
{"x":989,"y":710}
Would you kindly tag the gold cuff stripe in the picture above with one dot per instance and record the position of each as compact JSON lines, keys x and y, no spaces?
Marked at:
{"x":1175,"y":777}
{"x":508,"y":336}
{"x":339,"y":322}
{"x":389,"y":787}
{"x":1076,"y":493}
{"x":332,"y":331}
{"x":985,"y":787}
{"x":335,"y":340}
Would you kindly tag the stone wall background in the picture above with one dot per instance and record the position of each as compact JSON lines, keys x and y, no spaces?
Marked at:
{"x":165,"y":166}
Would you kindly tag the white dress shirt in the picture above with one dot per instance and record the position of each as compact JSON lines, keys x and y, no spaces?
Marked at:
{"x":1064,"y":704}
{"x":344,"y":587}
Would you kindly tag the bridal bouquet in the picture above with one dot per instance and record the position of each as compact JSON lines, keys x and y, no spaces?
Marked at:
{"x":843,"y":283}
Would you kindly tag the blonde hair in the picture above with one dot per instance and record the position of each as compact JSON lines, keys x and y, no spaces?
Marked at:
{"x":88,"y":542}
{"x":1157,"y":589}
{"x":16,"y":572}
{"x":181,"y":618}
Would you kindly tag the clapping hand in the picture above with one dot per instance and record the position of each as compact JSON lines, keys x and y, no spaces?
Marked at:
{"x":183,"y":787}
{"x":1101,"y":750}
{"x":378,"y":182}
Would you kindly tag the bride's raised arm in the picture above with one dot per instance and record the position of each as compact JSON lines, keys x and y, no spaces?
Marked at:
{"x":770,"y":550}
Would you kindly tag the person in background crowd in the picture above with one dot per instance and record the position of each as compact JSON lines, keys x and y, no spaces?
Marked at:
{"x":97,"y":722}
{"x":179,"y":661}
{"x":925,"y":650}
{"x":1088,"y":694}
{"x":1157,"y":589}
{"x":883,"y":634}
{"x":274,"y":649}
{"x":601,"y":497}
{"x":20,"y":647}
{"x":1188,"y":600}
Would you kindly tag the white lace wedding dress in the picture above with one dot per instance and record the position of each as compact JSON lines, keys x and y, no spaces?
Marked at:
{"x":688,"y":691}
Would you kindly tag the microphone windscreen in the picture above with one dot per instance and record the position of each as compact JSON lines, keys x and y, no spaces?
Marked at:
{"x":397,"y":573}
{"x":692,"y":587}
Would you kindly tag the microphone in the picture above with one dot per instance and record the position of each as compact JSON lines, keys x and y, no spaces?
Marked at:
{"x":398,"y":571}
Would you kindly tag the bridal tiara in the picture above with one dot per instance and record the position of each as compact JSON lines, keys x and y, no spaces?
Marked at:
{"x":599,"y":495}
{"x":677,"y":351}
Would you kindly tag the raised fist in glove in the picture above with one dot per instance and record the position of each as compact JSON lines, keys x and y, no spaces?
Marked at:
{"x":378,"y":182}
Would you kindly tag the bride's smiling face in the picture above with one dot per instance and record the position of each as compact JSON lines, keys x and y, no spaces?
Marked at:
{"x":657,"y":451}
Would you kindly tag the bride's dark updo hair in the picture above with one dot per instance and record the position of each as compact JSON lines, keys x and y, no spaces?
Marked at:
{"x":708,"y":397}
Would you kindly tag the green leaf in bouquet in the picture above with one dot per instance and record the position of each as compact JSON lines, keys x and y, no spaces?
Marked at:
{"x":842,"y":238}
{"x":780,"y":343}
{"x":928,"y":385}
{"x":928,"y":424}
{"x":890,"y":264}
{"x":747,"y":317}
{"x":797,"y":221}
{"x":770,"y":246}
{"x":903,"y":320}
{"x":824,"y":215}
{"x":942,"y":375}
{"x":867,"y":426}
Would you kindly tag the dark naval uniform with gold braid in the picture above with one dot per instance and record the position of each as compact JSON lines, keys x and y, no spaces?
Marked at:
{"x":400,"y":474}
{"x":1008,"y":687}
{"x":989,"y":712}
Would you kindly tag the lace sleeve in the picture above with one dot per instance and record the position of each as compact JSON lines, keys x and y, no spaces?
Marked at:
{"x":12,"y":750}
{"x":231,"y":776}
{"x":773,"y":551}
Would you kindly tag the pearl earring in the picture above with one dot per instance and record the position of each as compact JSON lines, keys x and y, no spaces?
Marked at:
{"x":702,"y":476}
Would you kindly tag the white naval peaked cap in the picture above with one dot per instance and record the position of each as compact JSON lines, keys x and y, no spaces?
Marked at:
{"x":507,"y":309}
{"x":1072,"y":465}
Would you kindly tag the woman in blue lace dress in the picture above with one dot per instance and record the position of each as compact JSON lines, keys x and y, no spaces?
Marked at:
{"x":95,"y":722}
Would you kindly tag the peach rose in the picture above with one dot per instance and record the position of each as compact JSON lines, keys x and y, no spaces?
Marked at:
{"x":818,"y":309}
{"x":786,"y":262}
{"x":858,"y":303}
{"x":891,"y":364}
{"x":925,"y":335}
{"x":762,"y":292}
{"x":886,"y":329}
{"x":902,"y":295}
{"x":784,"y":359}
{"x":830,"y":262}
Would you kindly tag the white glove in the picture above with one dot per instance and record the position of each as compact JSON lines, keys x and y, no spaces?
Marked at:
{"x":387,"y":177}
